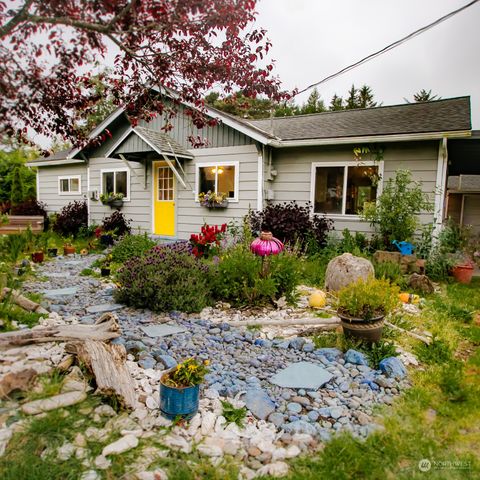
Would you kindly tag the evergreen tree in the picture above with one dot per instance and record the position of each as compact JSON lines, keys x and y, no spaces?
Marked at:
{"x":424,"y":96}
{"x":17,"y":194}
{"x":314,"y":103}
{"x":365,"y":98}
{"x":336,"y":103}
{"x":351,"y":101}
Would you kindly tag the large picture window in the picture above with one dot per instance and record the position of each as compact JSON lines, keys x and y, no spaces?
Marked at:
{"x":69,"y":185}
{"x":343,"y":189}
{"x":218,"y":178}
{"x":116,"y":181}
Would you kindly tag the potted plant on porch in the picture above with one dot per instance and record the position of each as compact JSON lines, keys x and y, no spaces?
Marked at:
{"x":180,"y":389}
{"x":362,"y":306}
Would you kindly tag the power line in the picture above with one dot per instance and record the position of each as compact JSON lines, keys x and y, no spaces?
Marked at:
{"x":391,"y":46}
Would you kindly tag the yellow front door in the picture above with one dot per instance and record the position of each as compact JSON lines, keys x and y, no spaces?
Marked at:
{"x":163,"y":200}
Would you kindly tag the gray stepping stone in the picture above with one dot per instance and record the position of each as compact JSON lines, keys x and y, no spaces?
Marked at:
{"x":161,"y":330}
{"x":302,"y":375}
{"x":60,"y":292}
{"x":75,"y":262}
{"x":56,"y":274}
{"x":104,"y":307}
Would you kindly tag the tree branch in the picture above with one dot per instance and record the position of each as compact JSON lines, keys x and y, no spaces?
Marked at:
{"x":16,"y":19}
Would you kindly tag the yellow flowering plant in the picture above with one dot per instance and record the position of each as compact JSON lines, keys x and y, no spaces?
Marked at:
{"x":187,"y":374}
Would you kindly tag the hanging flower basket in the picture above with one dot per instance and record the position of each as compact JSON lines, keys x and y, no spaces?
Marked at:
{"x":114,"y":200}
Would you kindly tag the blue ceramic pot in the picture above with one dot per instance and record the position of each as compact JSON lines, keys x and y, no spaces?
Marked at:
{"x":179,"y":402}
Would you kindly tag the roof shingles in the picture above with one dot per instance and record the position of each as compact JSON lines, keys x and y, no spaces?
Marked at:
{"x":438,"y":116}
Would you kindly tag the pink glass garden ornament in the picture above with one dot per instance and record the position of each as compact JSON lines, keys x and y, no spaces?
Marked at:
{"x":265,"y":246}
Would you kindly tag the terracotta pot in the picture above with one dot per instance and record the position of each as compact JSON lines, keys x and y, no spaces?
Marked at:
{"x":463,"y":273}
{"x":360,"y":329}
{"x":68,"y":249}
{"x":37,"y":257}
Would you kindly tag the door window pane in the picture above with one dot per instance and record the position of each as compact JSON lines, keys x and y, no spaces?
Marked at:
{"x":361,"y":188}
{"x":329,"y":189}
{"x":165,"y":184}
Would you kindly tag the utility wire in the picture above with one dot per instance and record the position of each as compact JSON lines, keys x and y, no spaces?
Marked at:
{"x":391,"y":46}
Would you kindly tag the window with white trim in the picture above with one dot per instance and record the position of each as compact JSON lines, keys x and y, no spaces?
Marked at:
{"x":70,"y":185}
{"x":218,"y":178}
{"x":116,"y":181}
{"x":343,"y":189}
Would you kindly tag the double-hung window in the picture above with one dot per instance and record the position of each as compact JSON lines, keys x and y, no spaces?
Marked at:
{"x":116,"y":181}
{"x":70,"y":185}
{"x":344,"y":188}
{"x":218,"y":178}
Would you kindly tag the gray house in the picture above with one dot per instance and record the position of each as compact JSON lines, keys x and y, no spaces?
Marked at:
{"x":307,"y":158}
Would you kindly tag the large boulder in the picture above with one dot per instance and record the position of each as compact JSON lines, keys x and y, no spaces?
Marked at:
{"x":346,"y":269}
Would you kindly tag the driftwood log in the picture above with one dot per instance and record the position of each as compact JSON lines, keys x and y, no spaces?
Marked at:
{"x":422,"y":338}
{"x":106,"y":328}
{"x":22,"y":301}
{"x":107,"y":363}
{"x":326,"y":323}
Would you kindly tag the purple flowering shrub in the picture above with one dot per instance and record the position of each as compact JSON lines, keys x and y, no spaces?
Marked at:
{"x":167,"y":278}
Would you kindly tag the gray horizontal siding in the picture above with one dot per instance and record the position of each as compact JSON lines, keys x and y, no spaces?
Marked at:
{"x":294,"y":167}
{"x":138,"y":208}
{"x":48,"y":185}
{"x":191,"y":215}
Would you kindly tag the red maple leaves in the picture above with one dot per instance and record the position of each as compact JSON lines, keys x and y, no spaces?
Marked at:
{"x":50,"y":49}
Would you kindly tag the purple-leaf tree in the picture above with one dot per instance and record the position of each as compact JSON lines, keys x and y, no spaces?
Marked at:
{"x":51,"y":49}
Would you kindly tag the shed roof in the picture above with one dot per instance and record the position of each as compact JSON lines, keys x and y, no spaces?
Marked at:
{"x":447,"y":115}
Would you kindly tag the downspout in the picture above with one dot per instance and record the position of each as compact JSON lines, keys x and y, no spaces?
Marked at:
{"x":440,"y":185}
{"x":260,"y":168}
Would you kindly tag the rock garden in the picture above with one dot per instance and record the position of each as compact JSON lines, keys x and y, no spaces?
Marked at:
{"x":238,"y":354}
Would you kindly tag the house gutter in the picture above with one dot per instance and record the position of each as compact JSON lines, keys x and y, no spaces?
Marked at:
{"x":409,"y":137}
{"x":52,"y":163}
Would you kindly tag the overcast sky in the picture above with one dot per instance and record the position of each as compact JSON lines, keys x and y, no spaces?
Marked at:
{"x":315,"y":38}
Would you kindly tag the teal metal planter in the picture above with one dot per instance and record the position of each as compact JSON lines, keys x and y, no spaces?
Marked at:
{"x":179,"y":402}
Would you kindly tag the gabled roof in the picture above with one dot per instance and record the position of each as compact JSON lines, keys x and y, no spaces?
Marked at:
{"x":449,"y":115}
{"x":152,"y":140}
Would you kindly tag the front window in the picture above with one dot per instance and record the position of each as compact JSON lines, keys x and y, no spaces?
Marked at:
{"x":115,"y":181}
{"x":218,"y":179}
{"x":344,"y":190}
{"x":69,"y":185}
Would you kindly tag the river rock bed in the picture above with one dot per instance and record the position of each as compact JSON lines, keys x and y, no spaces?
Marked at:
{"x":281,"y":423}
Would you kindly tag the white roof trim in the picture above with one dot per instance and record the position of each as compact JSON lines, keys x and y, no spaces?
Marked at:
{"x":94,"y":133}
{"x":52,"y":163}
{"x":370,"y":139}
{"x":169,"y":162}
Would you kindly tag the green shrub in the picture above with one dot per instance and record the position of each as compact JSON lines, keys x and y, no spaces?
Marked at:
{"x":388,"y":270}
{"x":238,"y":278}
{"x":452,"y":381}
{"x":395,"y":214}
{"x":117,"y":223}
{"x":131,"y":246}
{"x":166,"y":278}
{"x":368,"y":298}
{"x":437,"y":352}
{"x":377,"y":351}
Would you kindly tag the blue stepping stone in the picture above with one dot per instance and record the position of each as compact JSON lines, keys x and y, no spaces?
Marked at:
{"x":60,"y":292}
{"x":104,"y":307}
{"x":393,"y":367}
{"x":304,"y":375}
{"x":355,"y":357}
{"x":161,"y":330}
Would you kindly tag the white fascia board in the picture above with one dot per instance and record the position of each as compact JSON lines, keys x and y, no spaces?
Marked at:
{"x":409,"y":137}
{"x":169,"y":162}
{"x":52,"y":163}
{"x":94,"y":133}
